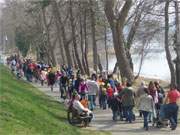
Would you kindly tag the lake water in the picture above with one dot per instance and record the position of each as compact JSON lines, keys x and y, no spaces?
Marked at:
{"x":154,"y":65}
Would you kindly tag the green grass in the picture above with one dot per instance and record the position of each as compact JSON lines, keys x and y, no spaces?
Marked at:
{"x":24,"y":110}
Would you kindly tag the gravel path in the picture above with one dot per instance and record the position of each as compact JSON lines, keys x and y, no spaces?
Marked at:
{"x":103,"y":120}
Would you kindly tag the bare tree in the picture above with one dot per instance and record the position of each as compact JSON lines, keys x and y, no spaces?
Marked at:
{"x":82,"y":38}
{"x":177,"y":44}
{"x":93,"y":30}
{"x":143,"y":54}
{"x":59,"y":36}
{"x":168,"y":54}
{"x":49,"y":44}
{"x":63,"y":31}
{"x":86,"y":41}
{"x":106,"y":47}
{"x":74,"y":37}
{"x":117,"y":24}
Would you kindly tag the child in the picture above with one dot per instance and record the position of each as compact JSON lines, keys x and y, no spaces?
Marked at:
{"x":42,"y":77}
{"x":102,"y":96}
{"x":84,"y":101}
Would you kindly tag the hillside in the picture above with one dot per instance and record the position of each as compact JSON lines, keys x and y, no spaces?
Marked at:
{"x":24,"y":110}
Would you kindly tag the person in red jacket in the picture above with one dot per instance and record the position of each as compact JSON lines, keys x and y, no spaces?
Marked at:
{"x":171,"y":109}
{"x":119,"y":87}
{"x":110,"y":92}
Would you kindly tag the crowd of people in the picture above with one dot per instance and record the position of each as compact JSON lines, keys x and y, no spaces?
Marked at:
{"x":152,"y":101}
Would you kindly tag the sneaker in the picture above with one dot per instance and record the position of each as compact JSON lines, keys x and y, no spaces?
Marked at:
{"x":173,"y":127}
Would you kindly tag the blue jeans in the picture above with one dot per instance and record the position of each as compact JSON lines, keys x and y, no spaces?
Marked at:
{"x":92,"y":99}
{"x":29,"y":77}
{"x":145,"y":116}
{"x":62,"y":88}
{"x":129,"y":113}
{"x":171,"y":112}
{"x":103,"y":101}
{"x":162,"y":114}
{"x":150,"y":116}
{"x":115,"y":113}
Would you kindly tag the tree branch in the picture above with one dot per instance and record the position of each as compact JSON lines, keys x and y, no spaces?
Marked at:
{"x":124,"y":12}
{"x":108,"y":7}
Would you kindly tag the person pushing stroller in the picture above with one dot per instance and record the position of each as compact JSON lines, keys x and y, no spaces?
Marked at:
{"x":170,"y":107}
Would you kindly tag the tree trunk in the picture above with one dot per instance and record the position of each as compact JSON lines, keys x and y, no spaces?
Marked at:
{"x":106,"y":48}
{"x":86,"y":43}
{"x":117,"y":25}
{"x":141,"y":59}
{"x":74,"y":59}
{"x":41,"y":53}
{"x":132,"y":32}
{"x":115,"y":68}
{"x":177,"y":45}
{"x":93,"y":30}
{"x":2,"y":33}
{"x":60,"y":42}
{"x":63,"y":32}
{"x":100,"y":65}
{"x":74,"y":37}
{"x":128,"y":54}
{"x":82,"y":43}
{"x":52,"y":59}
{"x":168,"y":54}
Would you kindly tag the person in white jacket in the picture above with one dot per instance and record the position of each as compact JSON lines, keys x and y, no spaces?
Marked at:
{"x":93,"y":89}
{"x":146,"y":106}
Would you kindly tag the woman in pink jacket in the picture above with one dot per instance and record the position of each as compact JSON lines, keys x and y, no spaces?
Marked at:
{"x":83,"y":89}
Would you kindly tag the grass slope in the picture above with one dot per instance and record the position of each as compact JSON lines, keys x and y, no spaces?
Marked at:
{"x":24,"y":110}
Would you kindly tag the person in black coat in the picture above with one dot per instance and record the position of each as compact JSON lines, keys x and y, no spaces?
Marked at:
{"x":114,"y":105}
{"x":51,"y":79}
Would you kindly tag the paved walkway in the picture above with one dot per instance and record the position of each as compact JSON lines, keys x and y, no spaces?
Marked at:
{"x":103,"y":120}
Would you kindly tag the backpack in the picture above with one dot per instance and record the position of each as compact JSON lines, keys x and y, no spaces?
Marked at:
{"x":103,"y":91}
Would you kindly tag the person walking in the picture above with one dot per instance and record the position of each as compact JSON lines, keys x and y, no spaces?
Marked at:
{"x":161,"y":94}
{"x":146,"y":106}
{"x":43,"y":77}
{"x":114,"y":105}
{"x":51,"y":79}
{"x":171,"y":109}
{"x":83,"y":89}
{"x":153,"y":92}
{"x":102,"y":96}
{"x":63,"y":84}
{"x":127,"y":97}
{"x":93,"y":89}
{"x":139,"y":93}
{"x":110,"y":93}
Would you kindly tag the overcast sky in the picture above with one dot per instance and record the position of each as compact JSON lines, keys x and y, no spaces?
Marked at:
{"x":1,"y":1}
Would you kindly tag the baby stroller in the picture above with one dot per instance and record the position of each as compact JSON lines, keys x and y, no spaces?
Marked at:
{"x":160,"y":120}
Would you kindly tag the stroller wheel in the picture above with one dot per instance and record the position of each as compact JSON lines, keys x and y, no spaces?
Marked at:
{"x":159,"y":125}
